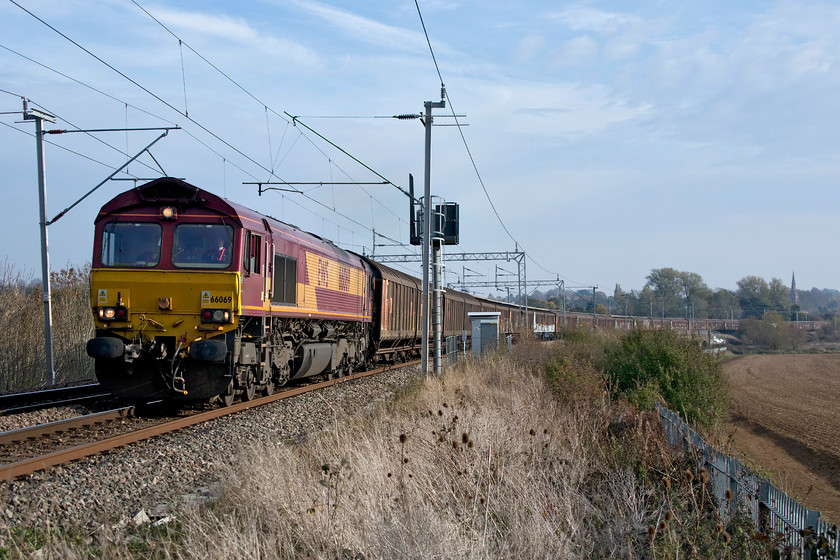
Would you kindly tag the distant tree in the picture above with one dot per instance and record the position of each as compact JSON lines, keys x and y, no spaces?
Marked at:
{"x":752,"y":295}
{"x":757,"y":297}
{"x":695,"y":293}
{"x":678,"y":291}
{"x":618,"y":293}
{"x":779,"y":297}
{"x":665,"y":283}
{"x":724,"y":304}
{"x":647,"y":302}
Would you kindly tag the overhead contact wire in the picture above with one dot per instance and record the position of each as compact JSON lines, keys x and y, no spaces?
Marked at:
{"x":252,"y":96}
{"x":145,"y":89}
{"x":201,"y":126}
{"x":466,"y":146}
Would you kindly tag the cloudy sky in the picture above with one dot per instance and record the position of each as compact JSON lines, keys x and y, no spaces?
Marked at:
{"x":610,"y":137}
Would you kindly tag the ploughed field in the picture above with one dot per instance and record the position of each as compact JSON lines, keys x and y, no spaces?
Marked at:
{"x":785,"y":416}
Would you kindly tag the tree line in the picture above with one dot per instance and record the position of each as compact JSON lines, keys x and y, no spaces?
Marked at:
{"x":674,"y":293}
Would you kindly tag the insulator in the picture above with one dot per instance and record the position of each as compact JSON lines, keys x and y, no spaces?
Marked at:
{"x":406,"y":116}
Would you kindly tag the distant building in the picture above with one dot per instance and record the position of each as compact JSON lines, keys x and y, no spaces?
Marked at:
{"x":794,"y":295}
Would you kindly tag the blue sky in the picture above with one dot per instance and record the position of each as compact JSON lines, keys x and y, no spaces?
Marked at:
{"x":612,"y":137}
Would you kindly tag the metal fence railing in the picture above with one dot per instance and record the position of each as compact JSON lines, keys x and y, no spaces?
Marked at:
{"x":772,"y":511}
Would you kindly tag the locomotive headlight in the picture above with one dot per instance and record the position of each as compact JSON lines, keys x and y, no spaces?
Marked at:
{"x":118,"y":313}
{"x":215,"y":315}
{"x":168,"y":213}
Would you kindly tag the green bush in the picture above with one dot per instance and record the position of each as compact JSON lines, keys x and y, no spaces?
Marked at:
{"x":772,"y":332}
{"x":646,"y":365}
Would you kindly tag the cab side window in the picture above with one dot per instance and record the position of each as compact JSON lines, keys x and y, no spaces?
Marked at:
{"x":253,"y":246}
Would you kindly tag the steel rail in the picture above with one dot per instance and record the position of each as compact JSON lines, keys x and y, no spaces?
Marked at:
{"x":52,"y":404}
{"x":10,"y":399}
{"x":29,"y":466}
{"x":41,"y":430}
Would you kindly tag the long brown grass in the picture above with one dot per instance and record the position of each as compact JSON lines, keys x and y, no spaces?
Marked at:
{"x":496,"y":459}
{"x":22,"y":340}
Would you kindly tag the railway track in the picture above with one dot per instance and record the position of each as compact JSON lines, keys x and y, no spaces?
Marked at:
{"x":28,"y":450}
{"x":16,"y":403}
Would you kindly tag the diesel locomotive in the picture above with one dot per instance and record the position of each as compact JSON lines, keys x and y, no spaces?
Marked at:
{"x":196,"y":297}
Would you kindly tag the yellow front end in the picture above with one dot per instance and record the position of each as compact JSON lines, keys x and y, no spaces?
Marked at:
{"x":147,"y":320}
{"x":165,"y":302}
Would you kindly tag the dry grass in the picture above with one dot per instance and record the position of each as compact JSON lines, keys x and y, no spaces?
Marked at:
{"x":484,"y":463}
{"x":494,"y":460}
{"x":22,"y":357}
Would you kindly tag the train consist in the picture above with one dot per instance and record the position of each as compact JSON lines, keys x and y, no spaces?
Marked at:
{"x":195,"y":297}
{"x":586,"y":320}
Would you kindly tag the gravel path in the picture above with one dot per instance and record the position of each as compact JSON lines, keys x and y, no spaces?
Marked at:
{"x":156,"y":475}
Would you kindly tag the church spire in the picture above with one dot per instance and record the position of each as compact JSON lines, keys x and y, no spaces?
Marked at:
{"x":794,"y":295}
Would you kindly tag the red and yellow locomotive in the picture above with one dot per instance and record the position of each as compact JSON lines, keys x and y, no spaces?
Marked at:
{"x":195,"y":296}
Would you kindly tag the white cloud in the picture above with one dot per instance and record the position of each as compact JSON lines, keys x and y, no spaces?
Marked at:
{"x":366,"y":29}
{"x":621,"y":48}
{"x":554,"y":110}
{"x":581,"y":18}
{"x":237,"y":30}
{"x":575,"y":52}
{"x":528,"y":47}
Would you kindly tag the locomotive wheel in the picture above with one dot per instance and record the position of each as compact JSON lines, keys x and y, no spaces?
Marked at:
{"x":250,"y":391}
{"x":228,"y":396}
{"x":269,"y":388}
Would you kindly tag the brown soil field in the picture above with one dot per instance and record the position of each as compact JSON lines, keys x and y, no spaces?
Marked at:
{"x":785,"y":423}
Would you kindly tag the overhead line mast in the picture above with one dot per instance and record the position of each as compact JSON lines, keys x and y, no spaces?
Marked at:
{"x":39,"y":117}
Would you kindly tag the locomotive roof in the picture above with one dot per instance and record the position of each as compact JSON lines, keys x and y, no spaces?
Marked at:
{"x":178,"y":193}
